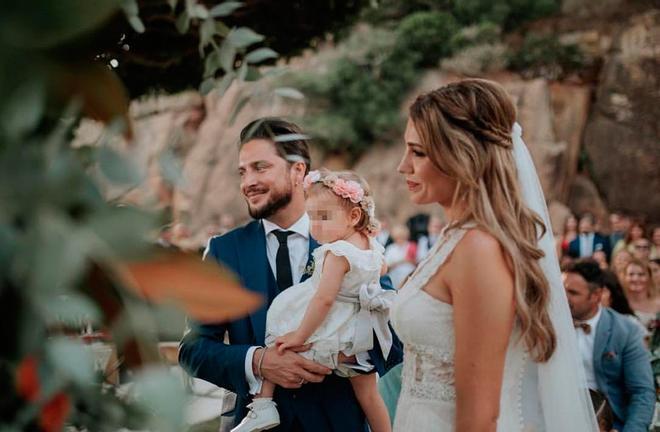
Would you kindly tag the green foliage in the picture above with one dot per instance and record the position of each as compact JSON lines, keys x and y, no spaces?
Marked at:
{"x":357,"y":101}
{"x":509,"y":14}
{"x":428,"y":33}
{"x":478,"y":34}
{"x":545,"y":56}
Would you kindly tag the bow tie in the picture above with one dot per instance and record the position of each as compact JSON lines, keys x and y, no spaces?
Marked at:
{"x":586,"y":328}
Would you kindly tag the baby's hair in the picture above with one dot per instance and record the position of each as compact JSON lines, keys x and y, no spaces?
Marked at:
{"x":324,"y":181}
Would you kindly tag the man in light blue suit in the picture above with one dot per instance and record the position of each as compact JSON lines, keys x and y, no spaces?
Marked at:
{"x":269,"y":255}
{"x":612,"y":349}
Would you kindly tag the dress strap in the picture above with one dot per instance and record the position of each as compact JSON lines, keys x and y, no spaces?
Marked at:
{"x":437,"y":256}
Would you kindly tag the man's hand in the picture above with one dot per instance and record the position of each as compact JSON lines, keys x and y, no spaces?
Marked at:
{"x":289,"y":370}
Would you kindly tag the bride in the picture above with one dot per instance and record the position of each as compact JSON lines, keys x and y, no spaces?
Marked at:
{"x":489,"y":341}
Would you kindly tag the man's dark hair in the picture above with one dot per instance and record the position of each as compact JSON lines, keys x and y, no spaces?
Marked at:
{"x":293,"y":141}
{"x":589,"y":216}
{"x":589,"y":270}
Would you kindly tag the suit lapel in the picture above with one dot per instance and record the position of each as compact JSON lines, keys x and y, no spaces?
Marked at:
{"x":313,"y":244}
{"x":603,"y":332}
{"x":255,"y":272}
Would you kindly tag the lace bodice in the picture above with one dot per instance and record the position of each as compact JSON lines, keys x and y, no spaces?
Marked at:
{"x":425,"y":326}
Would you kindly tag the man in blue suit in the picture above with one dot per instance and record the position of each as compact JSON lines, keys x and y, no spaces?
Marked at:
{"x":588,"y":240}
{"x":269,"y":255}
{"x":612,"y":349}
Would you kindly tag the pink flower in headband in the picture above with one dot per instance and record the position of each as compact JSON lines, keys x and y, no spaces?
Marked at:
{"x":310,"y":178}
{"x":348,"y":189}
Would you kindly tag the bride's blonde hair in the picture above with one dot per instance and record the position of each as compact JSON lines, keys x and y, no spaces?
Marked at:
{"x":466,"y":128}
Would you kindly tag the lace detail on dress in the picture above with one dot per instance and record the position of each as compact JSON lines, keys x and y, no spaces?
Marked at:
{"x":428,"y":373}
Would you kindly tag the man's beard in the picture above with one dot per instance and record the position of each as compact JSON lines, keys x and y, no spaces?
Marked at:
{"x":277,"y":201}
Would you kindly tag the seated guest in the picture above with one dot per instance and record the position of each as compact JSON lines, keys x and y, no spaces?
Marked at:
{"x":655,"y":239}
{"x":568,"y":234}
{"x":588,"y":240}
{"x":636,"y":231}
{"x":640,"y":291}
{"x":615,"y":359}
{"x":426,"y":242}
{"x":614,"y":298}
{"x":620,"y":261}
{"x":641,"y":249}
{"x":400,"y":256}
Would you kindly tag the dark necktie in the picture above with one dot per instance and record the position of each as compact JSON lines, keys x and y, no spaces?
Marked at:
{"x":282,"y":261}
{"x":586,"y":328}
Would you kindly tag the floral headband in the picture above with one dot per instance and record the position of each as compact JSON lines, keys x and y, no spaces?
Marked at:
{"x":348,"y":189}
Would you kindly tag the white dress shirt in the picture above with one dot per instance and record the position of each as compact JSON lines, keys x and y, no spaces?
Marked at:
{"x":298,"y":255}
{"x":586,"y":347}
{"x":586,"y":245}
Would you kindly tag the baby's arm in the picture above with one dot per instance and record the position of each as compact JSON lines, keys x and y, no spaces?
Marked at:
{"x":334,"y":269}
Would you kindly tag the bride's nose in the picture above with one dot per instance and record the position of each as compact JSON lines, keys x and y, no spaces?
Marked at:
{"x":404,"y":165}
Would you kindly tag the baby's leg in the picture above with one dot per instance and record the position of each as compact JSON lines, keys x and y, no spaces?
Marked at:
{"x":262,"y":414}
{"x":267,"y":390}
{"x":366,"y":391}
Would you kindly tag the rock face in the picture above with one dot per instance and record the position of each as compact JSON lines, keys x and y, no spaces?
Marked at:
{"x":619,"y":133}
{"x":622,"y":137}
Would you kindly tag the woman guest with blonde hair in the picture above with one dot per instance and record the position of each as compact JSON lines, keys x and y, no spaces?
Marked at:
{"x":489,"y":340}
{"x":641,"y":291}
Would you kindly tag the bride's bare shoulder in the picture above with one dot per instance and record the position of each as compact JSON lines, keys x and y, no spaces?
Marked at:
{"x":477,"y":242}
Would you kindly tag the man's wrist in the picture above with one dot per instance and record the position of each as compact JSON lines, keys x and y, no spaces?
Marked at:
{"x":256,"y":358}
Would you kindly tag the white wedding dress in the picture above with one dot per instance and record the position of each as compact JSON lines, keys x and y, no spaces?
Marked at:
{"x":425,"y":326}
{"x":536,"y":397}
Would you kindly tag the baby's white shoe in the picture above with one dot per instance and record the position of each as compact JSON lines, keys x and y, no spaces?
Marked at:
{"x":262,"y":415}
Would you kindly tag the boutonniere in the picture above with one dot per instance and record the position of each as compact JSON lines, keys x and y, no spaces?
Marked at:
{"x":309,"y":269}
{"x":610,"y":355}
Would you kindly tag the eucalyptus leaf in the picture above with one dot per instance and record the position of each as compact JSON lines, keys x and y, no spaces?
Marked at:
{"x":207,"y":86}
{"x":161,"y":393}
{"x":122,"y":231}
{"x":117,"y":168}
{"x":225,"y":9}
{"x":130,"y":7}
{"x":212,"y":63}
{"x":253,"y":74}
{"x":136,"y":23}
{"x":260,"y":54}
{"x":225,"y":82}
{"x":227,"y":55}
{"x":206,"y":33}
{"x":72,"y":309}
{"x":71,"y":359}
{"x":199,"y":11}
{"x":183,"y":22}
{"x":289,"y":92}
{"x":221,"y":28}
{"x":242,"y":37}
{"x":24,"y":109}
{"x":172,"y":3}
{"x":242,"y":71}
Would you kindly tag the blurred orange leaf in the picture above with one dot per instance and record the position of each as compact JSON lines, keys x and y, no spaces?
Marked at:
{"x":100,"y":91}
{"x":203,"y":290}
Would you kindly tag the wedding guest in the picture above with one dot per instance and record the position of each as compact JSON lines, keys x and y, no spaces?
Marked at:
{"x":617,"y":227}
{"x":612,"y":349}
{"x":383,"y":235}
{"x":636,"y":231}
{"x":568,"y":234}
{"x":640,"y":291}
{"x":400,"y":255}
{"x":641,"y":249}
{"x":619,"y":263}
{"x":426,"y":242}
{"x":613,"y":297}
{"x":655,"y":240}
{"x":655,"y":272}
{"x":588,"y":240}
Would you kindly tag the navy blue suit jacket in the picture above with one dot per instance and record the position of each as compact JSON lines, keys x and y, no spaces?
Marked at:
{"x":601,"y":242}
{"x":327,"y":406}
{"x":622,"y":367}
